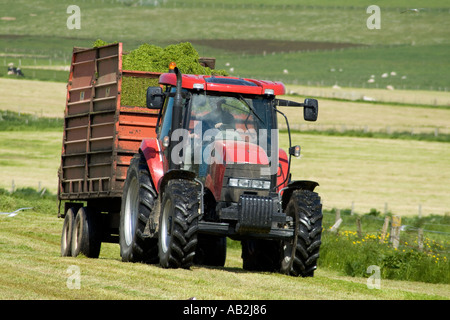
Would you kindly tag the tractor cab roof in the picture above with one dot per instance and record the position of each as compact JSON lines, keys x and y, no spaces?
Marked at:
{"x":225,"y":84}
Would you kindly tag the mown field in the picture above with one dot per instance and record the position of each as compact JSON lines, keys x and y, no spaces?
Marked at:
{"x":33,"y":269}
{"x":368,"y":171}
{"x":390,"y":154}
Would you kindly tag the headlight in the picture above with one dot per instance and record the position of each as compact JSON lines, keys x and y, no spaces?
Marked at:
{"x":233,"y":182}
{"x":248,"y":183}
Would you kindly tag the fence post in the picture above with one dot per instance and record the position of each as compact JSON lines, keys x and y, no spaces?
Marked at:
{"x":358,"y":227}
{"x":420,"y":239}
{"x":384,"y":230}
{"x":337,"y":223}
{"x":395,"y":231}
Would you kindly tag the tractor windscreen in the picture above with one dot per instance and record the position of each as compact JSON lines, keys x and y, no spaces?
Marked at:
{"x":232,"y":117}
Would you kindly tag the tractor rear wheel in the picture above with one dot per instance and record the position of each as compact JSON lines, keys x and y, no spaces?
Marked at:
{"x":300,"y":254}
{"x":260,"y":255}
{"x":178,"y":224}
{"x":211,"y":250}
{"x":138,"y":202}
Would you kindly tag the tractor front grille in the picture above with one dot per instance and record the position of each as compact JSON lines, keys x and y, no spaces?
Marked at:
{"x":255,"y":213}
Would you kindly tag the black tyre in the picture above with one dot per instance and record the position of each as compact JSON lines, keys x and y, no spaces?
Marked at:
{"x":299,"y":256}
{"x":66,"y":235}
{"x":138,"y":203}
{"x":178,"y":224}
{"x":86,"y":234}
{"x":211,"y":250}
{"x":260,"y":255}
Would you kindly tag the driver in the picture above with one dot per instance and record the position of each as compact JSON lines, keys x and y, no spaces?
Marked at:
{"x":218,"y":117}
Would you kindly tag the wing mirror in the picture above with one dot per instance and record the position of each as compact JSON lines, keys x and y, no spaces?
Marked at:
{"x":310,"y":109}
{"x":155,"y":98}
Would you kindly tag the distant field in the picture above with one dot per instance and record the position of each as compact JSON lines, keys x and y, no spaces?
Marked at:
{"x":367,"y":171}
{"x":305,"y":21}
{"x":402,"y":67}
{"x":30,"y":159}
{"x":41,"y":98}
{"x":370,"y":117}
{"x":372,"y":172}
{"x":257,"y":38}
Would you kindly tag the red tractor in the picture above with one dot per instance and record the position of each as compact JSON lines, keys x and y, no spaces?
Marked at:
{"x":213,"y":171}
{"x":172,"y":179}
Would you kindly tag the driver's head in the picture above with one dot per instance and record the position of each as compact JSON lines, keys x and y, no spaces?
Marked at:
{"x":218,"y":105}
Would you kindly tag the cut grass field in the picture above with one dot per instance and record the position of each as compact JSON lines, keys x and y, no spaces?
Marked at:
{"x":33,"y":269}
{"x":368,"y":172}
{"x":29,"y":158}
{"x":372,"y":172}
{"x":41,"y":98}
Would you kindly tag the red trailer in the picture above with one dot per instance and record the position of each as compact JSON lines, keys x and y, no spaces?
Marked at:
{"x":101,"y":134}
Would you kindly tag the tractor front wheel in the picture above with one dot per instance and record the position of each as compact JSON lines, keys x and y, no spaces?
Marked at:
{"x":300,"y":254}
{"x":178,"y":224}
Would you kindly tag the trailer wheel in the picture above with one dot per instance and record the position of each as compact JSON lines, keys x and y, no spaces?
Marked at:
{"x":178,"y":224}
{"x":86,"y":234}
{"x":299,"y":256}
{"x":138,"y":202}
{"x":66,"y":236}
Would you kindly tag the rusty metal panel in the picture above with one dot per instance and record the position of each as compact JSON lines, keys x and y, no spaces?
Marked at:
{"x":100,"y":135}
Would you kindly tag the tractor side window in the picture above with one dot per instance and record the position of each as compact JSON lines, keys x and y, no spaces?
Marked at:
{"x":166,"y":115}
{"x":166,"y":118}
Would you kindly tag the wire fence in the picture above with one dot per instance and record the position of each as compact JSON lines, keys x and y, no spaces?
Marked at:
{"x":400,"y":232}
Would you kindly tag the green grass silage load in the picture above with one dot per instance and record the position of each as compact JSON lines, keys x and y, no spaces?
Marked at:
{"x":148,"y":57}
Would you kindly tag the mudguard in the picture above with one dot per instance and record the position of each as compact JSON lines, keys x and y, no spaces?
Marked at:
{"x":296,"y":185}
{"x":155,"y":160}
{"x":283,"y":167}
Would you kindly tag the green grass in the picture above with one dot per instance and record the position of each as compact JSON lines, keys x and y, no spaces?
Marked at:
{"x":413,"y":45}
{"x":33,"y":269}
{"x":416,"y":67}
{"x":321,"y":22}
{"x":30,"y":158}
{"x":352,"y":255}
{"x":13,"y":121}
{"x":405,"y":135}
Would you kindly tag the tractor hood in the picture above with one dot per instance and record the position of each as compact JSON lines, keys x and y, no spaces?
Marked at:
{"x":235,"y":159}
